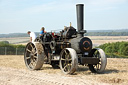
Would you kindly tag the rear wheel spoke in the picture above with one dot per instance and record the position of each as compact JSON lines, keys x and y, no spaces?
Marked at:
{"x":29,"y":65}
{"x":35,"y":57}
{"x":31,"y":46}
{"x":28,"y":58}
{"x":35,"y":53}
{"x":34,"y":50}
{"x":34,"y":62}
{"x":29,"y":50}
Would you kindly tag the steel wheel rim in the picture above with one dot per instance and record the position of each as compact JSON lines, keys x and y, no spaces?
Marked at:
{"x":66,"y":61}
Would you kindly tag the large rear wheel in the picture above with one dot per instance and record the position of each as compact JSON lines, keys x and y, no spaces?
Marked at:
{"x":34,"y":56}
{"x":68,"y":61}
{"x":98,"y":68}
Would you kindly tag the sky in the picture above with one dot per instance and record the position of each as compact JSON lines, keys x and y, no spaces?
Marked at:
{"x":20,"y":16}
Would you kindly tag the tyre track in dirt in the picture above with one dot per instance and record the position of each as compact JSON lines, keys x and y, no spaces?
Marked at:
{"x":15,"y":76}
{"x":11,"y":76}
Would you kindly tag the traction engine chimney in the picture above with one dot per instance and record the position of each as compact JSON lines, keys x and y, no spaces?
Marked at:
{"x":80,"y":19}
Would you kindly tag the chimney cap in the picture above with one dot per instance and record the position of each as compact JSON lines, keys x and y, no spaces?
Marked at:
{"x":79,"y":4}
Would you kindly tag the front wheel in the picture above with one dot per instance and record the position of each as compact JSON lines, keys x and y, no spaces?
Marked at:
{"x":68,"y":61}
{"x":98,"y":68}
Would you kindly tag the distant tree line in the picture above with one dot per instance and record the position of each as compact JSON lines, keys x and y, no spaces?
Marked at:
{"x":6,"y":44}
{"x":94,"y":33}
{"x":117,"y":49}
{"x":106,"y":34}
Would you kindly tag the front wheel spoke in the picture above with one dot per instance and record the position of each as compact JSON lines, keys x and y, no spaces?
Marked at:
{"x":69,"y":60}
{"x":65,"y":68}
{"x":69,"y":67}
{"x":68,"y":56}
{"x":97,"y":66}
{"x":94,"y":55}
{"x":99,"y":57}
{"x":65,"y":52}
{"x":100,"y":63}
{"x":65,"y":64}
{"x":63,"y":59}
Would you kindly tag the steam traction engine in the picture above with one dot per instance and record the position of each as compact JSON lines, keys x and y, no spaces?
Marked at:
{"x":65,"y":50}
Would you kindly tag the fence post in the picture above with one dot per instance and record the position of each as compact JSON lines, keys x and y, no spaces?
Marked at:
{"x":5,"y":50}
{"x":16,"y":51}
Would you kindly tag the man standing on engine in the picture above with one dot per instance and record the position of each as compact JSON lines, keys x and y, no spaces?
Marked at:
{"x":32,"y":36}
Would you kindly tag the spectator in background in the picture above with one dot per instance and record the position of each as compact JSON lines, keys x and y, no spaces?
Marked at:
{"x":32,"y":36}
{"x":42,"y":31}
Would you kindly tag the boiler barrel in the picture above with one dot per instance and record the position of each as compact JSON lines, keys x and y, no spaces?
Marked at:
{"x":81,"y":45}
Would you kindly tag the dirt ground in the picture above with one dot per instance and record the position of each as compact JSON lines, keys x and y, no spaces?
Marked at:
{"x":14,"y":72}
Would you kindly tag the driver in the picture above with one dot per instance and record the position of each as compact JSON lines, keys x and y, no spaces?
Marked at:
{"x":42,"y":31}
